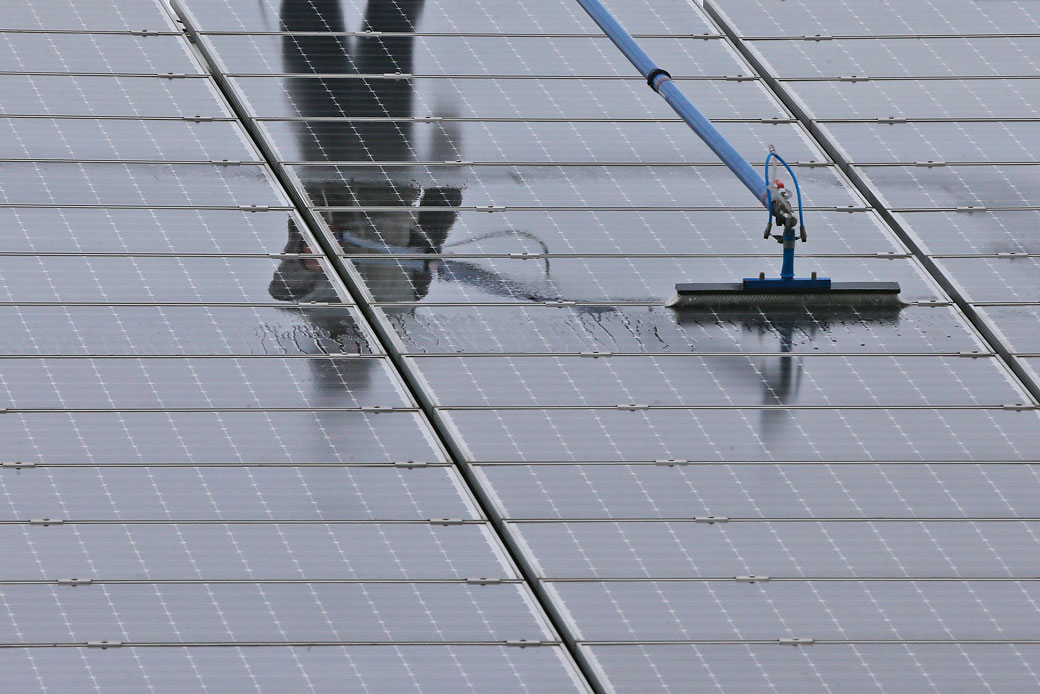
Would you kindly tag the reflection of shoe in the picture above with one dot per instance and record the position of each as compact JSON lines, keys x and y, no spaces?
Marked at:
{"x":293,"y":279}
{"x":434,"y":226}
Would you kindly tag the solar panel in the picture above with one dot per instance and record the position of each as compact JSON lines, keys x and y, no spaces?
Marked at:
{"x":206,"y":442}
{"x":339,"y":343}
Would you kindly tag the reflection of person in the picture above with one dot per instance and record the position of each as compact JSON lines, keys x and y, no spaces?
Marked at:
{"x":360,"y":231}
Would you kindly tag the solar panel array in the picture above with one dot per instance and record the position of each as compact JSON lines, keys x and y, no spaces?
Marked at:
{"x":356,"y":374}
{"x":213,"y":476}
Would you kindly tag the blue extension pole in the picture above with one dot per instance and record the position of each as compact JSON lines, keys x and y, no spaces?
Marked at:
{"x":661,"y":82}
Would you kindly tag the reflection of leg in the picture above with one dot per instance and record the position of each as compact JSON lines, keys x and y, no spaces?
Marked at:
{"x":434,"y":225}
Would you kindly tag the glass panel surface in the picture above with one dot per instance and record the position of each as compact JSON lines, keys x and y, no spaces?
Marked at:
{"x":951,"y":142}
{"x":197,"y":437}
{"x":40,"y":138}
{"x":90,"y":15}
{"x":655,"y":329}
{"x":506,"y":142}
{"x":642,"y":232}
{"x":182,"y":330}
{"x":582,"y":280}
{"x":172,"y":383}
{"x":921,"y":98}
{"x":780,"y":18}
{"x":527,"y":56}
{"x":953,"y":186}
{"x":504,"y":98}
{"x":987,"y":490}
{"x":436,"y":669}
{"x":150,"y":279}
{"x":778,"y":550}
{"x":274,"y":613}
{"x":715,"y":381}
{"x":252,"y":552}
{"x":80,"y":95}
{"x":984,"y":233}
{"x":157,"y":185}
{"x":118,"y":230}
{"x":526,"y":16}
{"x":745,"y":434}
{"x":949,"y":56}
{"x":54,"y":52}
{"x":323,"y":493}
{"x":857,"y":610}
{"x":822,"y":668}
{"x":996,"y":279}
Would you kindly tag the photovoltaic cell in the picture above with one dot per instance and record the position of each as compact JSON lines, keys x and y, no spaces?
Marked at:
{"x":783,"y":551}
{"x":207,"y":437}
{"x":462,"y":17}
{"x":521,"y":97}
{"x":806,"y":491}
{"x":232,"y":456}
{"x":526,"y":56}
{"x":95,"y":53}
{"x":183,"y":330}
{"x":438,"y":669}
{"x":40,"y":138}
{"x":893,"y":668}
{"x":103,"y":96}
{"x":652,"y":329}
{"x":254,"y":552}
{"x":326,"y":493}
{"x":277,"y":613}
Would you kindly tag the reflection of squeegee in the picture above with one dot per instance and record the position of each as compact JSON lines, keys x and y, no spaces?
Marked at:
{"x":785,"y":290}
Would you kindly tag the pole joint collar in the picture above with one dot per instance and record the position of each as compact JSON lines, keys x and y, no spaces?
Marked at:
{"x":651,"y":77}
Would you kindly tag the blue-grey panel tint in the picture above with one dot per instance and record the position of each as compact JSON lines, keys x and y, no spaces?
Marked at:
{"x":527,"y":98}
{"x":949,"y":141}
{"x":746,"y":434}
{"x":891,"y":611}
{"x":921,"y":98}
{"x":274,"y":613}
{"x":988,"y":232}
{"x":527,"y":56}
{"x":39,"y":138}
{"x":996,"y":279}
{"x":78,"y":95}
{"x":505,"y":142}
{"x":170,"y":383}
{"x":635,"y":232}
{"x":1016,"y":325}
{"x":115,"y":230}
{"x":526,"y":16}
{"x":57,"y":52}
{"x":91,"y":15}
{"x":182,"y":330}
{"x":156,"y":280}
{"x":180,"y":185}
{"x":792,"y":550}
{"x":987,"y":490}
{"x":822,"y":668}
{"x":954,"y":186}
{"x":655,"y":329}
{"x":716,"y":381}
{"x":952,"y":17}
{"x":197,"y":437}
{"x":949,"y":56}
{"x":324,"y":493}
{"x":253,"y":551}
{"x":433,"y":669}
{"x":631,"y":280}
{"x":577,"y":186}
